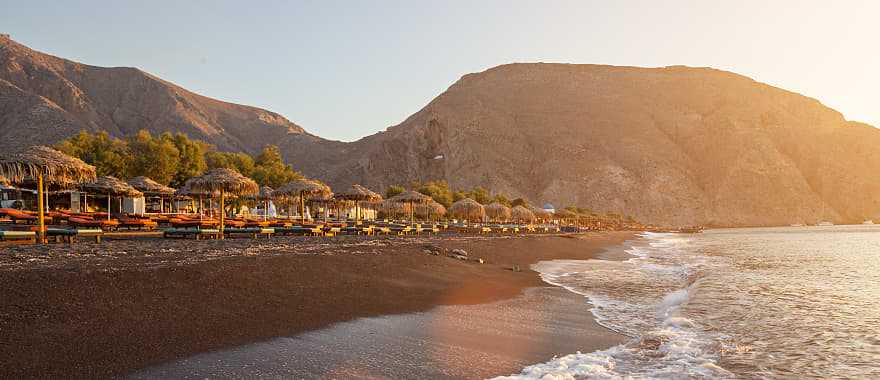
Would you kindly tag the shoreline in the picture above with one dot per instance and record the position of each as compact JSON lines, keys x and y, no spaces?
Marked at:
{"x":110,"y":310}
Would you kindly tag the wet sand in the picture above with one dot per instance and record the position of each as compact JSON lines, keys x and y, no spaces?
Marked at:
{"x":98,"y":311}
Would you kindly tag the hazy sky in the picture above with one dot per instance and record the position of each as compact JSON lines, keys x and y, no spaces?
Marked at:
{"x":347,"y":69}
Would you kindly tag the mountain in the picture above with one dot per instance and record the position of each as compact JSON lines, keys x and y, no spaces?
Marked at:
{"x":44,"y":99}
{"x":673,"y":145}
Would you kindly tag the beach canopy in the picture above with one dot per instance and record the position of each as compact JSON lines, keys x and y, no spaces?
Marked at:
{"x":467,"y":209}
{"x":431,"y":209}
{"x":358,"y":193}
{"x":266,"y":193}
{"x":45,"y":165}
{"x":565,"y":214}
{"x":541,"y":213}
{"x":412,"y":197}
{"x":224,"y":181}
{"x":150,"y":187}
{"x":303,"y":188}
{"x":522,"y":215}
{"x":498,"y":211}
{"x":187,"y":191}
{"x":111,"y":186}
{"x":20,"y":165}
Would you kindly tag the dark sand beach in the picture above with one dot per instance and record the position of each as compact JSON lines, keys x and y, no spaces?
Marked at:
{"x":112,"y":309}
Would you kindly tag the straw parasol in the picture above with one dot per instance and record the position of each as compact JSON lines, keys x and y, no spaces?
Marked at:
{"x":541,"y":213}
{"x":357,"y":194}
{"x":412,"y":198}
{"x":467,"y":209}
{"x":498,"y":212}
{"x":303,"y":188}
{"x":45,"y":165}
{"x":111,"y":186}
{"x":522,"y":214}
{"x":432,"y":209}
{"x":224,"y":181}
{"x":152,"y":189}
{"x":265,"y":195}
{"x":186,"y":191}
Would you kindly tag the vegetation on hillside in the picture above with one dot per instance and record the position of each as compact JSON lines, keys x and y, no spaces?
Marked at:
{"x":171,"y":159}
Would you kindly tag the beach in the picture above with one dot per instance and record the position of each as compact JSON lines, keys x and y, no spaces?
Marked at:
{"x":113,"y":309}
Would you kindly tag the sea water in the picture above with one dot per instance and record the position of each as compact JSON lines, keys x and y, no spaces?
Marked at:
{"x":740,"y":303}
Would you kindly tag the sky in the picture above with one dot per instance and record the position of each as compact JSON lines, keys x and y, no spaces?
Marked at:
{"x":347,"y":69}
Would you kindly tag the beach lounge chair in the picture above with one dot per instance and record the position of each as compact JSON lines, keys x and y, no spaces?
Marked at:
{"x":18,"y":237}
{"x":254,"y":232}
{"x":137,"y":223}
{"x":70,"y":235}
{"x":299,"y":230}
{"x":197,"y":233}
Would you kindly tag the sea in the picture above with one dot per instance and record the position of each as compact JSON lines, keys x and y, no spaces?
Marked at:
{"x":768,"y":303}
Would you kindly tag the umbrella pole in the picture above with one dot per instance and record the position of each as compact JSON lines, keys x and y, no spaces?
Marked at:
{"x":108,"y":206}
{"x":302,"y":207}
{"x":222,"y":212}
{"x":85,"y":202}
{"x":40,"y":207}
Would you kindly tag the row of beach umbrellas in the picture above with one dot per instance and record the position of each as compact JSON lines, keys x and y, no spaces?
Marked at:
{"x":46,"y":166}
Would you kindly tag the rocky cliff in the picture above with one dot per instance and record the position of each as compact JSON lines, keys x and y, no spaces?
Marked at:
{"x":673,"y":145}
{"x":45,"y":98}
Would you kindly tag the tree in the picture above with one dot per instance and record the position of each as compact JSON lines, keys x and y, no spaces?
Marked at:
{"x":192,"y":158}
{"x":270,"y":169}
{"x":458,"y":195}
{"x":156,"y":158}
{"x":241,"y":162}
{"x":519,"y":202}
{"x":501,"y":198}
{"x":480,"y":195}
{"x":393,"y":190}
{"x":109,"y":156}
{"x":438,"y":191}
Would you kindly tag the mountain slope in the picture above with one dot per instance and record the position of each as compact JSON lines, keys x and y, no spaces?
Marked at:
{"x":671,"y":145}
{"x":41,"y":90}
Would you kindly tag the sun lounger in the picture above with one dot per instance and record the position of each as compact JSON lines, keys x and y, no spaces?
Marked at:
{"x":138,"y":223}
{"x":253,"y":232}
{"x":197,"y":233}
{"x":18,"y":236}
{"x":299,"y":230}
{"x":103,"y":224}
{"x":70,"y":235}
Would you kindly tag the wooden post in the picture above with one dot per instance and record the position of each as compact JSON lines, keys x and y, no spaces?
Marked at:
{"x":302,"y":206}
{"x":108,"y":206}
{"x":42,"y":231}
{"x":222,"y":212}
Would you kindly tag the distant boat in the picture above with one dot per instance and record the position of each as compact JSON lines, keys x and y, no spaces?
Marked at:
{"x":869,"y":221}
{"x":824,"y":224}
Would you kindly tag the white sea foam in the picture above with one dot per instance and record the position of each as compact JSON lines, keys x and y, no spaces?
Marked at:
{"x":640,"y":297}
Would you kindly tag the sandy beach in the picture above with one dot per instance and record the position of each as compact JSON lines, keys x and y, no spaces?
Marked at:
{"x":113,"y":309}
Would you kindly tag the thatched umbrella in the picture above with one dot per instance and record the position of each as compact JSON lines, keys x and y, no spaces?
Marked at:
{"x":357,"y":194}
{"x":411,"y":198}
{"x":522,"y":214}
{"x":467,"y":209}
{"x":224,"y":181}
{"x":393,"y":209}
{"x":265,"y":195}
{"x":303,"y":188}
{"x":111,"y":186}
{"x":541,"y":213}
{"x":45,"y":165}
{"x":564,"y":214}
{"x":498,"y":211}
{"x":186,"y":191}
{"x":152,"y":188}
{"x":432,"y":209}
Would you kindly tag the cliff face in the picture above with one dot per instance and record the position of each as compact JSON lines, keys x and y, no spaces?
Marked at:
{"x":45,"y":98}
{"x":671,"y":145}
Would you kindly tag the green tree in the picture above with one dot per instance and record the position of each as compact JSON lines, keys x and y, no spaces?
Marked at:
{"x":242,"y":162}
{"x":480,"y":195}
{"x":393,"y":190}
{"x":109,"y":156}
{"x":156,"y":158}
{"x":501,"y":198}
{"x":519,"y":202}
{"x":458,"y":195}
{"x":270,"y":169}
{"x":438,"y":191}
{"x":192,"y":158}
